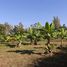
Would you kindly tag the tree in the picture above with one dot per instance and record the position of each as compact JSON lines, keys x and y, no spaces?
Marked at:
{"x":62,"y":35}
{"x":30,"y":35}
{"x":56,"y":23}
{"x":2,"y":32}
{"x":20,"y":39}
{"x":8,"y":28}
{"x":2,"y":29}
{"x":64,"y":26}
{"x":19,"y":33}
{"x":18,"y":29}
{"x":47,"y":31}
{"x":37,"y":35}
{"x":34,"y":33}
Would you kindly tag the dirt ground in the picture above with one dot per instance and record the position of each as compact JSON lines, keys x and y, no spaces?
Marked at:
{"x":20,"y":57}
{"x":26,"y":56}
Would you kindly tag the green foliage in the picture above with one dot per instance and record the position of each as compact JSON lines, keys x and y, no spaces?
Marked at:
{"x":62,"y":32}
{"x":30,"y":33}
{"x":20,"y":37}
{"x":2,"y":38}
{"x":38,"y":25}
{"x":47,"y":27}
{"x":52,"y":26}
{"x":34,"y":33}
{"x":55,"y":34}
{"x":18,"y":29}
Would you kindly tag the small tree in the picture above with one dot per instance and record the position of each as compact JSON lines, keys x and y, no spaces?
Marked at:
{"x":56,"y":22}
{"x":30,"y":35}
{"x":62,"y":35}
{"x":20,"y":39}
{"x":48,"y":30}
{"x":37,"y":35}
{"x":34,"y":33}
{"x":18,"y":32}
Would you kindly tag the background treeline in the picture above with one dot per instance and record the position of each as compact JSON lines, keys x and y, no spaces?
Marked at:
{"x":36,"y":32}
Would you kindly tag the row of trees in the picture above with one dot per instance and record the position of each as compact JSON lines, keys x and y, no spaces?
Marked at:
{"x":34,"y":33}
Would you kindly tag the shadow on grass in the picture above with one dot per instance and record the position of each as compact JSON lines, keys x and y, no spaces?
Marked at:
{"x":11,"y":46}
{"x":25,"y":52}
{"x":39,"y":47}
{"x":59,"y":59}
{"x":25,"y":43}
{"x":63,"y":48}
{"x":22,"y":51}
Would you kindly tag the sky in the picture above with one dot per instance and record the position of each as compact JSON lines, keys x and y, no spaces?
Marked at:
{"x":32,"y":11}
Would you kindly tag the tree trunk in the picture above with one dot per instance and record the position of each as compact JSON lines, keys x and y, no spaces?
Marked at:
{"x":31,"y":42}
{"x":18,"y":45}
{"x":48,"y":45}
{"x":48,"y":41}
{"x":61,"y":42}
{"x":35,"y":42}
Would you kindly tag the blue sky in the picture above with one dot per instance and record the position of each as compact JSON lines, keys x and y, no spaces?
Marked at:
{"x":31,"y":11}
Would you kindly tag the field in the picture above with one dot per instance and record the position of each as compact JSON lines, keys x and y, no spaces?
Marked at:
{"x":32,"y":56}
{"x":19,"y":57}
